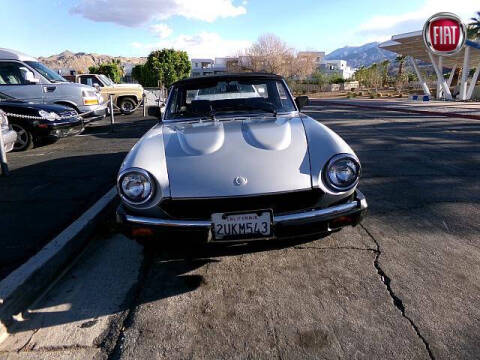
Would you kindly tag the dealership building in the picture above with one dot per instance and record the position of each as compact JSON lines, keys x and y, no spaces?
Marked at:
{"x":441,"y":44}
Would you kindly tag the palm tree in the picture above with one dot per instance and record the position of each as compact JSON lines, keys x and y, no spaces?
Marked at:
{"x":401,"y":61}
{"x":473,"y":29}
{"x":384,"y":72}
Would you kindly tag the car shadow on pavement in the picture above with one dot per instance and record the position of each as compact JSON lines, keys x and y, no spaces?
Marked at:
{"x":174,"y":268}
{"x":126,"y":128}
{"x":87,"y":294}
{"x":42,"y":197}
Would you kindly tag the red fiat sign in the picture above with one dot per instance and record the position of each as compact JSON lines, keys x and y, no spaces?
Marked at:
{"x":444,"y":34}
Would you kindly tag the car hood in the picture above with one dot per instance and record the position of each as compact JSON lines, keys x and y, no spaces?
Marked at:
{"x":236,"y":157}
{"x":128,"y":86}
{"x":24,"y":105}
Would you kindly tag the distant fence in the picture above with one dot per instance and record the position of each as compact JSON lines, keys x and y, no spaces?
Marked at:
{"x":155,"y":93}
{"x":300,"y":88}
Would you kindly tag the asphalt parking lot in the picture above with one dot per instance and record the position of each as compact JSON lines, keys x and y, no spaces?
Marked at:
{"x":52,"y":185}
{"x":405,"y":284}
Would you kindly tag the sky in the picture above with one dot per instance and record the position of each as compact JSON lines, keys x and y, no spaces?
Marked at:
{"x":209,"y":28}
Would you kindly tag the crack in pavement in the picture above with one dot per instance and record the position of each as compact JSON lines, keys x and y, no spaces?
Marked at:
{"x":396,"y":300}
{"x":334,"y":248}
{"x":49,"y":349}
{"x":28,"y":341}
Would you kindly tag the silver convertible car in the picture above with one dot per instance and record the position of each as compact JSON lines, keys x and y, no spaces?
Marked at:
{"x":234,"y":159}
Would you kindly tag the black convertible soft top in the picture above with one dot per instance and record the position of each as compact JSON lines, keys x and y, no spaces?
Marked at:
{"x":228,"y":76}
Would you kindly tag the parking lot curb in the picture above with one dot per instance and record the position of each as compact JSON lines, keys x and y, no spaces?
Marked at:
{"x":19,"y":289}
{"x":387,"y":108}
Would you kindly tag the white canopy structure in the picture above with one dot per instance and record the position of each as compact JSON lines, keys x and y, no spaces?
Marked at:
{"x":412,"y":45}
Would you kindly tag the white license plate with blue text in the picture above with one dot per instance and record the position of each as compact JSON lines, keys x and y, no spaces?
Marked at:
{"x":239,"y":226}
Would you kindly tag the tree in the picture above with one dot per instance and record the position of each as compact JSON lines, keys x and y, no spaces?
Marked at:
{"x":383,"y":68}
{"x":301,"y":65}
{"x":113,"y":70}
{"x":473,"y":29}
{"x":320,"y":78}
{"x":401,"y":61}
{"x":375,"y":75}
{"x":163,"y":66}
{"x":271,"y":54}
{"x":268,"y":54}
{"x":138,"y":73}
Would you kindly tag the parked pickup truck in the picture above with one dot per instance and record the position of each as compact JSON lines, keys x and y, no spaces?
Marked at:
{"x":125,"y":96}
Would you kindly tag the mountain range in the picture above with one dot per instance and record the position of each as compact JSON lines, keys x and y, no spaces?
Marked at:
{"x":80,"y":62}
{"x":358,"y":56}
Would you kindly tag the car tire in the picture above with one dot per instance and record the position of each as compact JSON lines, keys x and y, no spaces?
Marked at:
{"x":127,"y":105}
{"x":24,"y":138}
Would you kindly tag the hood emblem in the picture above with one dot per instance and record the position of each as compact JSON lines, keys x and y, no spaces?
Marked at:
{"x":240,"y":181}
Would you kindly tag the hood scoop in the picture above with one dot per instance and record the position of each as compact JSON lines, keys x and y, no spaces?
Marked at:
{"x":201,"y":138}
{"x":268,"y":135}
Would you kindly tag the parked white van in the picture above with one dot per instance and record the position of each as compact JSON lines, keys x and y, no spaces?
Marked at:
{"x":24,"y":77}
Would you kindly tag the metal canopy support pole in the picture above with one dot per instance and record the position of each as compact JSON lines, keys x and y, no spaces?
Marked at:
{"x":452,"y":73}
{"x":439,"y":85}
{"x":473,"y":83}
{"x":465,"y":72}
{"x":426,"y":90}
{"x":446,"y":89}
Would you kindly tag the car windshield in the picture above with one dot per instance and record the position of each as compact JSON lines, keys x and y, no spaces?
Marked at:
{"x":226,"y":97}
{"x":47,"y":73}
{"x":106,"y":80}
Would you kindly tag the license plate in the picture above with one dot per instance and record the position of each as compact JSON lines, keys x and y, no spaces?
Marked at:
{"x":241,"y":226}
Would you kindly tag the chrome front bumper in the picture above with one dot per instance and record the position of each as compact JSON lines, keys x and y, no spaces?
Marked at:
{"x":93,"y":112}
{"x":9,"y":138}
{"x":357,"y":206}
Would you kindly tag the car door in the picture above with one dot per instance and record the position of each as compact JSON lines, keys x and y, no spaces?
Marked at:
{"x":13,"y":82}
{"x":91,"y":80}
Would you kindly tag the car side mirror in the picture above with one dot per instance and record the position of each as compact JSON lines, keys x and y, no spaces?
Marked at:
{"x":301,"y":102}
{"x":30,"y":77}
{"x":154,"y":110}
{"x":96,"y":86}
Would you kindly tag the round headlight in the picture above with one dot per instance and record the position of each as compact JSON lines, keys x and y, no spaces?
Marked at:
{"x":136,"y":186}
{"x":342,"y":172}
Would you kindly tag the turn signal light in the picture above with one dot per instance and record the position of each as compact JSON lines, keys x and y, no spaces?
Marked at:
{"x":90,"y":101}
{"x":142,"y":232}
{"x":341,"y":222}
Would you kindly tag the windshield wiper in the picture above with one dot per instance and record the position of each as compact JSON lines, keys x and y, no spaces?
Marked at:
{"x":268,"y":109}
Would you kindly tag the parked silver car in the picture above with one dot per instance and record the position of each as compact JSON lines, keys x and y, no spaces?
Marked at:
{"x":9,"y":135}
{"x":24,"y":77}
{"x":239,"y":166}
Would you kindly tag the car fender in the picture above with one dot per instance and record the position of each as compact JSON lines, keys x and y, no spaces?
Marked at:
{"x":69,"y":104}
{"x":323,"y":144}
{"x":149,"y":154}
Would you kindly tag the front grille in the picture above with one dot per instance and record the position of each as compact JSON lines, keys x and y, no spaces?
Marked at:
{"x":283,"y":203}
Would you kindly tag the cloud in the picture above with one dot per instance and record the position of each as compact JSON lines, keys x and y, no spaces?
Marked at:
{"x":379,"y":27}
{"x":134,"y":13}
{"x":162,"y":30}
{"x":202,"y":45}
